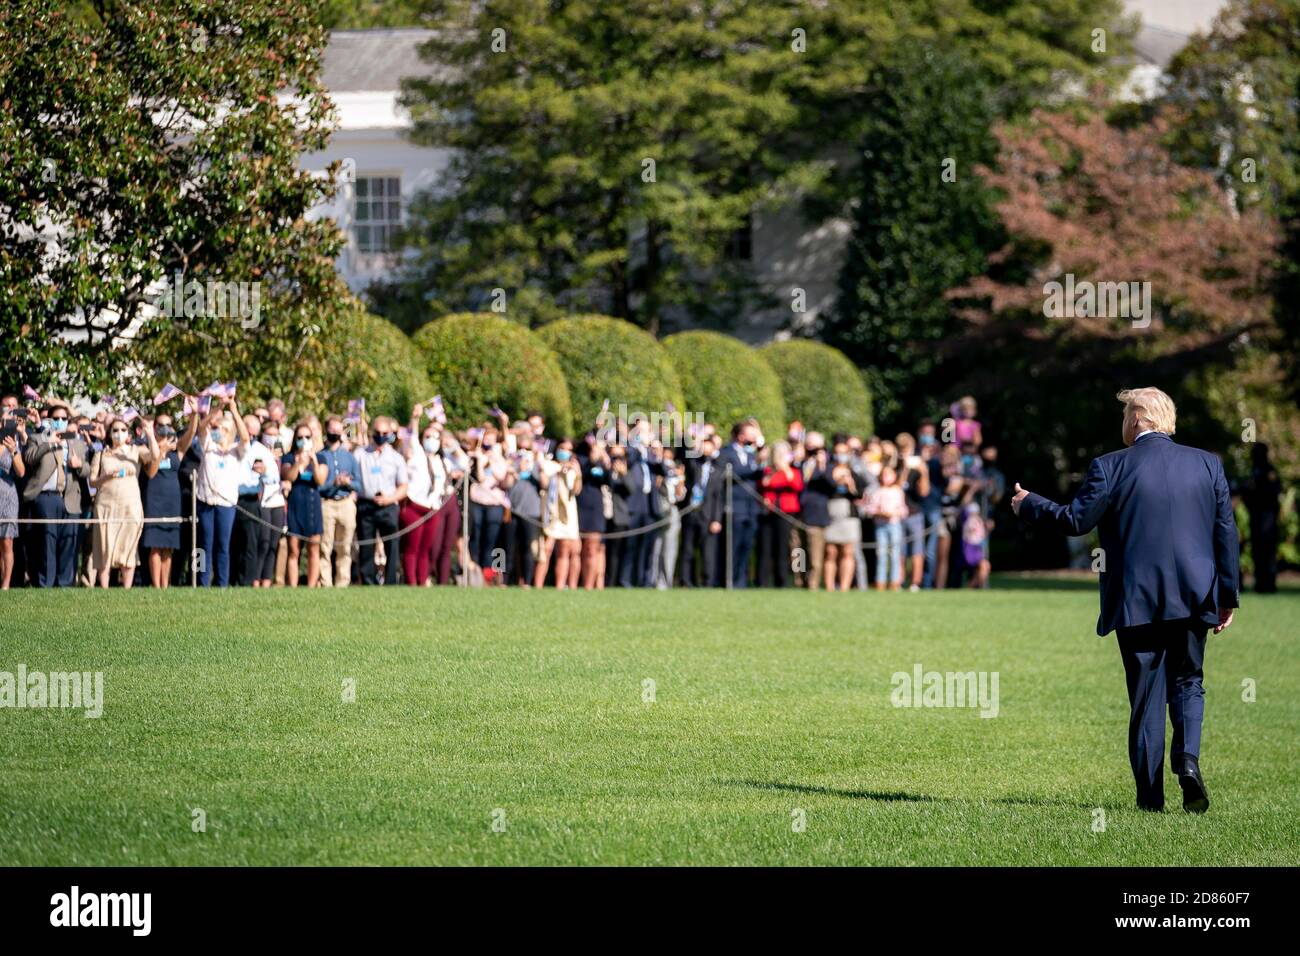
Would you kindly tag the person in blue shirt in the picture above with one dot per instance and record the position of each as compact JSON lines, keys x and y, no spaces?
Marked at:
{"x":338,"y":505}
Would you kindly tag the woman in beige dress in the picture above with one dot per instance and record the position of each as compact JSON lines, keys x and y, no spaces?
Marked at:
{"x":561,"y":482}
{"x":115,"y":476}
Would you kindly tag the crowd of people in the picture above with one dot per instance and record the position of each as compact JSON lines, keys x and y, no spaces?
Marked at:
{"x":107,"y":498}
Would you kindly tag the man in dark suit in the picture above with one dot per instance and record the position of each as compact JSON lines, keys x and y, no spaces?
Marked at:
{"x":643,"y":465}
{"x":58,"y":464}
{"x":742,"y":457}
{"x":695,"y":519}
{"x":1170,"y":573}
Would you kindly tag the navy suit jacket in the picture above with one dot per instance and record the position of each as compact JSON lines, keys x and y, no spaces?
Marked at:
{"x":743,"y":505}
{"x":1168,"y":537}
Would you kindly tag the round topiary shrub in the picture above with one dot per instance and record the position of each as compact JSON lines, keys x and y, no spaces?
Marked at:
{"x":822,"y":388}
{"x":727,"y":381}
{"x":607,"y":359}
{"x":359,"y":355}
{"x":477,"y":359}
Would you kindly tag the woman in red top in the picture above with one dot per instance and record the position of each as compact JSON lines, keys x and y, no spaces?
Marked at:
{"x":782,"y":484}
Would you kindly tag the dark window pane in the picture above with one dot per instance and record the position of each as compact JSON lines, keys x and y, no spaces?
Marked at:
{"x":363,"y":187}
{"x":394,"y":211}
{"x":363,"y":238}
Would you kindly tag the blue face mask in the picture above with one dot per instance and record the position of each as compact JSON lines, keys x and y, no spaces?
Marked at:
{"x":597,"y":470}
{"x":842,"y":459}
{"x":303,"y":443}
{"x":750,"y":448}
{"x":58,"y":424}
{"x":562,"y":455}
{"x":525,"y":475}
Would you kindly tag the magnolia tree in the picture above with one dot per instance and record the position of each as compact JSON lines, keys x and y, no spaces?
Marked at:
{"x":152,"y":211}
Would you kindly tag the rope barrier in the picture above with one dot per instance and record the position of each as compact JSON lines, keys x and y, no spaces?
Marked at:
{"x":864,"y":545}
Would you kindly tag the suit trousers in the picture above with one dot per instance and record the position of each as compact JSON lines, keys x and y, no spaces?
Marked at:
{"x":1162,"y":666}
{"x":377,"y":521}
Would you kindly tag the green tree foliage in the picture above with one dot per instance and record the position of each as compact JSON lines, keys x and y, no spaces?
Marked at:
{"x":150,"y":140}
{"x":922,"y":224}
{"x":477,"y":360}
{"x":1085,"y":201}
{"x":557,"y":109}
{"x":1235,"y":91}
{"x":365,"y":356}
{"x":727,"y":381}
{"x":606,"y":359}
{"x":821,"y":387}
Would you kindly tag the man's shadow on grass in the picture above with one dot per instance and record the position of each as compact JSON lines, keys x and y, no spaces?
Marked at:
{"x":899,"y":796}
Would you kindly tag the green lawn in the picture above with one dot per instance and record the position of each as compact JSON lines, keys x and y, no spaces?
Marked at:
{"x":765,"y":704}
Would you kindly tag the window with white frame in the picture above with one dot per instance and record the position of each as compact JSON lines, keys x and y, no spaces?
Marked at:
{"x":376,"y":212}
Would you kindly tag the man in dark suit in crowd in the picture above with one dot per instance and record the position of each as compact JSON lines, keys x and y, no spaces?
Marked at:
{"x":695,"y":522}
{"x":1170,"y":573}
{"x":742,"y":457}
{"x":643,"y":464}
{"x":58,"y":464}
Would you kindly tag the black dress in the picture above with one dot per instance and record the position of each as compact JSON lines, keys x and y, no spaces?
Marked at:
{"x":162,"y":499}
{"x":591,"y":502}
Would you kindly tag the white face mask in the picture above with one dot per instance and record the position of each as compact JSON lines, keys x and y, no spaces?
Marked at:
{"x":432,"y":445}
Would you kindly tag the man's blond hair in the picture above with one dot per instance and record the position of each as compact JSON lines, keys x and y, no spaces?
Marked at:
{"x":1151,"y":408}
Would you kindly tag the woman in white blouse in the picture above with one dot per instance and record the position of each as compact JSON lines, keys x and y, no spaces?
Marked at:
{"x":427,"y":492}
{"x":222,"y":436}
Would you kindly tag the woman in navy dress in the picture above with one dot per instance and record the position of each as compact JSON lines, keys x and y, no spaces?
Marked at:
{"x":162,"y":498}
{"x":305,"y":476}
{"x":594,"y":461}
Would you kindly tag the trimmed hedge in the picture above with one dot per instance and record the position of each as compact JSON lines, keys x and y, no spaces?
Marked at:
{"x":366,"y":356}
{"x":478,"y":359}
{"x":728,"y":381}
{"x":609,"y":359}
{"x":822,"y":388}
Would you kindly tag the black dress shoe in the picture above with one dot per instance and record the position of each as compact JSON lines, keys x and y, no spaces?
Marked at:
{"x":1151,"y":807}
{"x":1195,"y":797}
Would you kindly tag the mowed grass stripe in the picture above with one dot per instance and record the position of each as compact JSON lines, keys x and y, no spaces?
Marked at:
{"x":765,"y":703}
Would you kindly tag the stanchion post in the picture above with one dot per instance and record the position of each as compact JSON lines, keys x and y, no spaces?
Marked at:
{"x":464,"y":532}
{"x":194,"y":530}
{"x":727,"y":477}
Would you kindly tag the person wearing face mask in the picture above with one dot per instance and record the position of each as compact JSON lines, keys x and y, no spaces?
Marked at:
{"x":12,"y":471}
{"x":695,"y":522}
{"x":817,"y":491}
{"x":57,"y":465}
{"x":115,"y":476}
{"x":561,"y":482}
{"x":259,"y":461}
{"x":424,"y":497}
{"x":447,"y":530}
{"x":844,"y":533}
{"x":162,"y":497}
{"x":338,"y":505}
{"x":384,"y":483}
{"x":488,"y":501}
{"x":223,"y":438}
{"x":593,"y":460}
{"x":305,"y":476}
{"x":524,"y":531}
{"x":743,"y":459}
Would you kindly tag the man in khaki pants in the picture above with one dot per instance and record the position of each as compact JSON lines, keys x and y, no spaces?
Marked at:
{"x":338,"y":506}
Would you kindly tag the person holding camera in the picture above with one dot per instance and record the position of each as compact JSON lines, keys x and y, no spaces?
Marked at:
{"x":162,"y":497}
{"x":115,"y":476}
{"x":11,"y":471}
{"x":57,"y":465}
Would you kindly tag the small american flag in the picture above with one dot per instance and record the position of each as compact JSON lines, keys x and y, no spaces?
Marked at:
{"x":169,"y":391}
